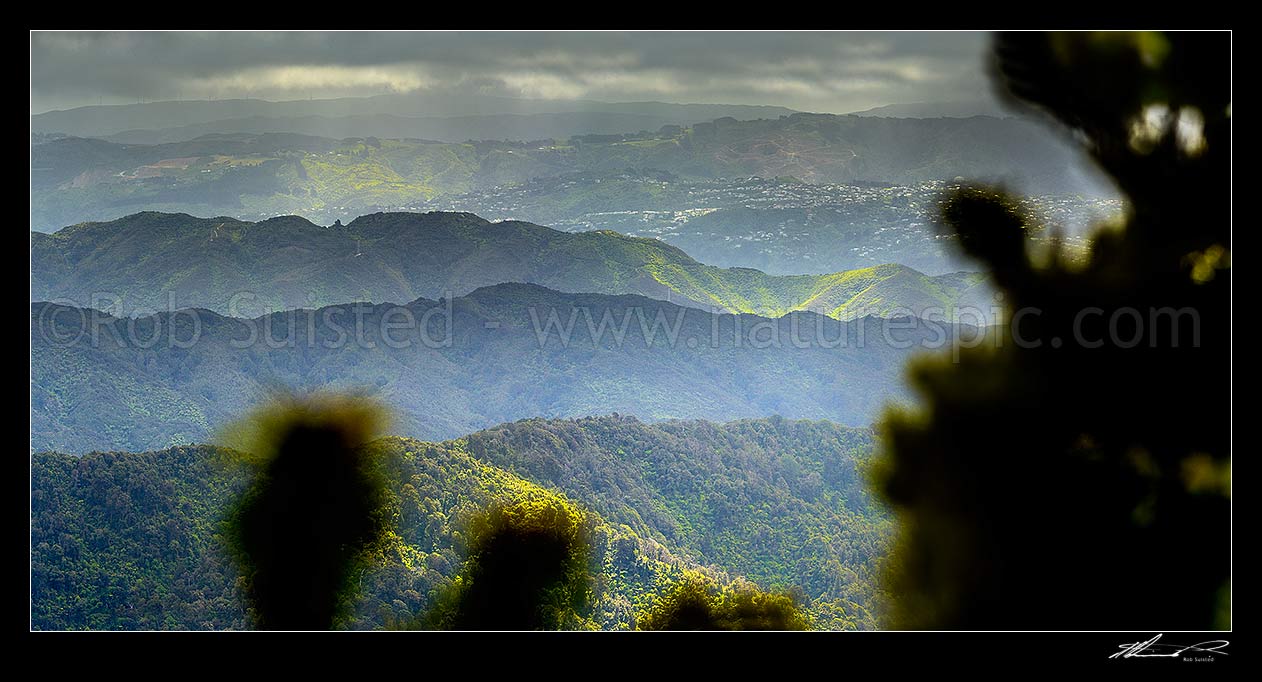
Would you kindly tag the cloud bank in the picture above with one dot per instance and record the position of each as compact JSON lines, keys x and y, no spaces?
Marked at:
{"x":825,"y":72}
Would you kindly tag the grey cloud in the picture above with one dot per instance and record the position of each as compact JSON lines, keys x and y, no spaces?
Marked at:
{"x":809,"y":71}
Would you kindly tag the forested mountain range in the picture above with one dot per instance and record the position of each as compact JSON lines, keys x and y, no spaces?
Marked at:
{"x":450,"y":367}
{"x":155,"y":261}
{"x":132,"y":541}
{"x":247,"y":175}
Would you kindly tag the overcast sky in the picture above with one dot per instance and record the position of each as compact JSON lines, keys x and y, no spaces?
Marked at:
{"x":822,"y":72}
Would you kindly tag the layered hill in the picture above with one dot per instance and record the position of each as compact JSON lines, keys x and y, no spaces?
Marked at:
{"x":454,"y":366}
{"x":781,"y":225}
{"x":438,"y":128}
{"x":957,"y":109}
{"x":156,"y":261}
{"x":249,"y":175}
{"x":227,"y":115}
{"x":129,"y":541}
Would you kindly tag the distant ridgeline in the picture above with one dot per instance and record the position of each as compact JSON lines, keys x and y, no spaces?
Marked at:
{"x":157,"y":261}
{"x":450,"y":367}
{"x":275,"y":173}
{"x":132,"y":541}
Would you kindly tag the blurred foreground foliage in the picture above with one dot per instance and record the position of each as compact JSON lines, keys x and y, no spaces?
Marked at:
{"x":527,"y":569}
{"x":433,"y":535}
{"x":1073,"y":471}
{"x":317,"y":508}
{"x":698,"y":603}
